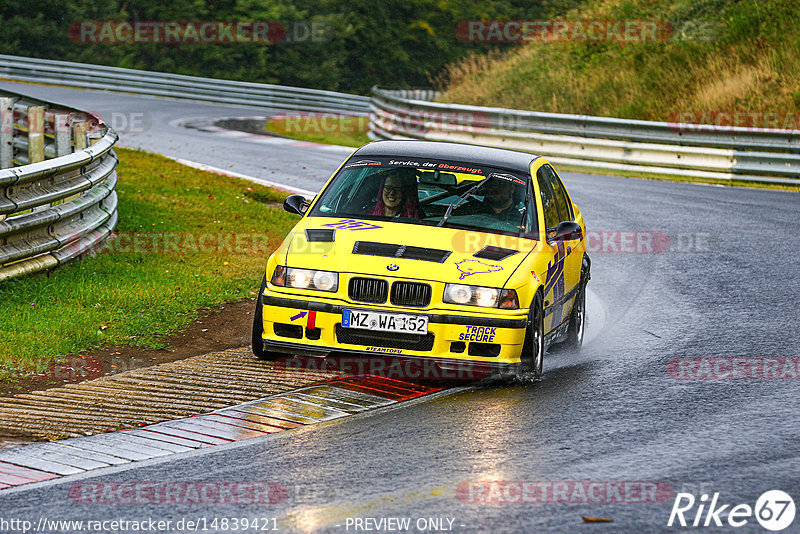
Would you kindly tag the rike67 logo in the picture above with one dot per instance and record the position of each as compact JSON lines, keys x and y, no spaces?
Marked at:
{"x":774,"y":510}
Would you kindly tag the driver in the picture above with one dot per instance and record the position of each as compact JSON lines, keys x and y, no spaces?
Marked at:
{"x":499,"y":201}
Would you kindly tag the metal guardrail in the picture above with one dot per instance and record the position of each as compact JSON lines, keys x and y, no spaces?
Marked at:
{"x":57,"y":179}
{"x":258,"y":95}
{"x":702,"y":151}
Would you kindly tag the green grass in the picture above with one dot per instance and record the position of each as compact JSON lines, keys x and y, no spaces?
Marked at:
{"x":136,"y":297}
{"x":344,"y":130}
{"x":722,"y":57}
{"x":715,"y":62}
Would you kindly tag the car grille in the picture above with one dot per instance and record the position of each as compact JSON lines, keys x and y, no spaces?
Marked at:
{"x":410,"y":294}
{"x":368,"y":290}
{"x":392,"y":340}
{"x":388,"y":250}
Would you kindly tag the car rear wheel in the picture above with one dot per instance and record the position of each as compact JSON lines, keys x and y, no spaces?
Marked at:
{"x":577,"y":321}
{"x":533,"y":350}
{"x":258,"y":329}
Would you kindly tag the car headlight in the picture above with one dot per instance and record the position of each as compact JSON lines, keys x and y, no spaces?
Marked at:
{"x":486,"y":297}
{"x":325,"y":280}
{"x":305,"y":278}
{"x":279,"y":276}
{"x":457,"y":293}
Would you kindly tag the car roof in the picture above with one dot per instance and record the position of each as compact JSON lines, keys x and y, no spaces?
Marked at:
{"x":457,"y":152}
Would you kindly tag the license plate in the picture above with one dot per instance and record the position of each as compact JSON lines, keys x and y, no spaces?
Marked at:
{"x":385,"y":322}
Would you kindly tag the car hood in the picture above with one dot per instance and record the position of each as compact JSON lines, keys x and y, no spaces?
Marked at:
{"x":386,"y":248}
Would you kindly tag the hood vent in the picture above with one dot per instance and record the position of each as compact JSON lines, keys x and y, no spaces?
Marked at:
{"x":320,"y":235}
{"x":491,"y":252}
{"x":387,"y":250}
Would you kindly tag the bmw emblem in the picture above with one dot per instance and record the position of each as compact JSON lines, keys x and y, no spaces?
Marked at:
{"x":392,"y":267}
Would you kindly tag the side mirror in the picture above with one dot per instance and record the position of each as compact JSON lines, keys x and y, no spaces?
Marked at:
{"x":567,"y":231}
{"x":296,"y":204}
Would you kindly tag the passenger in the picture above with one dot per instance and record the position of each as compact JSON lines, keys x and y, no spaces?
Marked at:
{"x":397,"y":195}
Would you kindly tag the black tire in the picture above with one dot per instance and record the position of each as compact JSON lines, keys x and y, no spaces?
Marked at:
{"x":533,"y":350}
{"x":577,"y":320}
{"x":258,"y":329}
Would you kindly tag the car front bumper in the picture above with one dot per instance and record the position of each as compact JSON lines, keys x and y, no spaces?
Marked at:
{"x":313,"y":328}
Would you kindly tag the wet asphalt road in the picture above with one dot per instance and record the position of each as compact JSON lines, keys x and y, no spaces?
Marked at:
{"x":726,"y":286}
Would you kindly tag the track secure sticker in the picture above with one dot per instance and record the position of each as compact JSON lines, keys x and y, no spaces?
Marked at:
{"x":470,"y":267}
{"x":478,"y":333}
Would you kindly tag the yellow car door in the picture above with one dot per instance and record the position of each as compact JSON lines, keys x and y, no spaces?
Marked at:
{"x":563,"y":271}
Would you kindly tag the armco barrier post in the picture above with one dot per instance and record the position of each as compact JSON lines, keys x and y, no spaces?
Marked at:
{"x":35,"y":134}
{"x":6,"y":133}
{"x":62,"y":134}
{"x":79,"y":135}
{"x":36,"y":141}
{"x":79,"y":141}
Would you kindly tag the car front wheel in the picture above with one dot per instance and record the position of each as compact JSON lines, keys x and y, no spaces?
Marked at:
{"x":533,"y":350}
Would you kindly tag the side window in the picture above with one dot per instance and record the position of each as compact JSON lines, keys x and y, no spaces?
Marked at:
{"x":549,"y":207}
{"x":564,"y":205}
{"x":531,"y":219}
{"x":352,"y":194}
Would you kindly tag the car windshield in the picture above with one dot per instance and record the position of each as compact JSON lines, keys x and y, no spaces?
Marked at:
{"x":432,"y":193}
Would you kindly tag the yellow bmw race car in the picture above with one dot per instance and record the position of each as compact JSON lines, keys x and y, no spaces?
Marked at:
{"x":454,"y":256}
